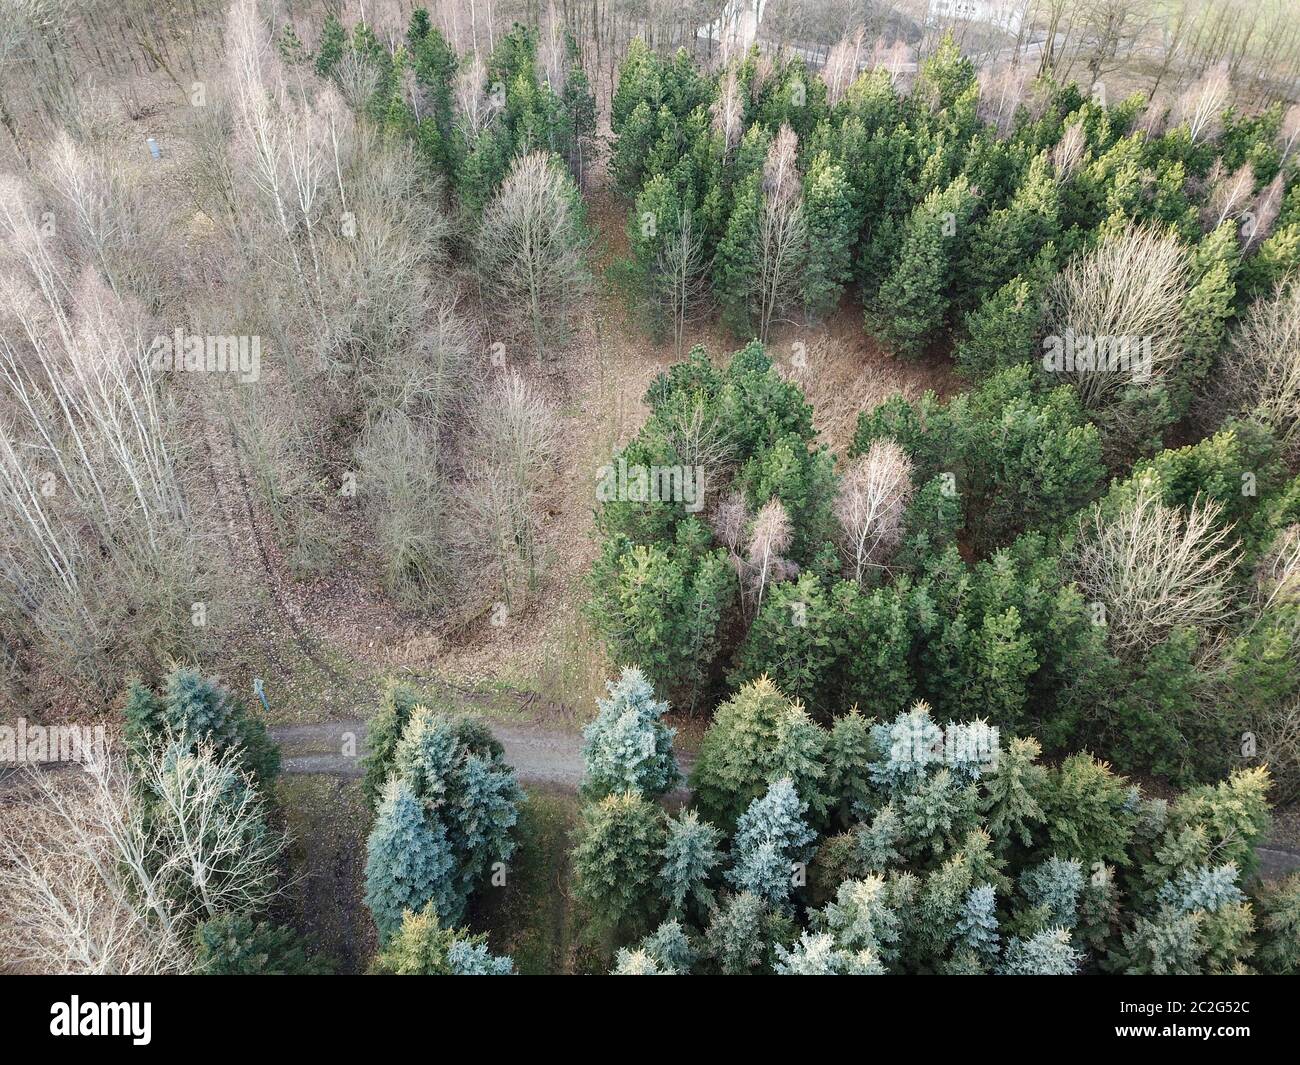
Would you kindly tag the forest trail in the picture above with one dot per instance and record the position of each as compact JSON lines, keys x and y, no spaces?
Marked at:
{"x":335,"y":748}
{"x":538,"y":755}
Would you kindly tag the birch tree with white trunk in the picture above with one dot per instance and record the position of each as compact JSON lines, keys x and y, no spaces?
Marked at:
{"x":782,"y":234}
{"x":870,"y":506}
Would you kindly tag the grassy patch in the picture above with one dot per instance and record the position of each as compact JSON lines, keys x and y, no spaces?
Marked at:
{"x":574,"y":675}
{"x":534,"y":917}
{"x":528,"y":918}
{"x":578,"y":675}
{"x":300,"y":688}
{"x":328,"y":819}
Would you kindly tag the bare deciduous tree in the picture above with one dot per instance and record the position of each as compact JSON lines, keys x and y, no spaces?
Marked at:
{"x":1278,"y":747}
{"x":1175,"y":31}
{"x":699,"y":435}
{"x":113,"y":227}
{"x":1261,"y":373}
{"x":1155,"y":567}
{"x":1068,"y":152}
{"x":1128,"y":291}
{"x":529,"y":251}
{"x":1155,"y":116}
{"x":728,"y":111}
{"x":872,"y":500}
{"x":1228,"y":193}
{"x":357,"y":78}
{"x":841,"y":67}
{"x":765,"y":563}
{"x":432,"y":378}
{"x":1264,"y":211}
{"x":1277,"y":573}
{"x":681,"y":271}
{"x":509,"y":459}
{"x":1109,"y":30}
{"x":93,"y":522}
{"x":206,"y":828}
{"x":729,"y":520}
{"x":782,"y":234}
{"x":278,"y":134}
{"x":475,"y":105}
{"x":756,"y":545}
{"x":1289,"y":133}
{"x":74,"y":870}
{"x":102,"y":873}
{"x":336,"y":232}
{"x":383,"y":269}
{"x":516,"y":429}
{"x":552,"y":51}
{"x":1002,"y":88}
{"x":891,"y":58}
{"x":1200,"y":108}
{"x":400,"y":478}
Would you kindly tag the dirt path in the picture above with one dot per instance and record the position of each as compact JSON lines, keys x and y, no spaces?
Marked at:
{"x":1275,"y":863}
{"x":538,"y":755}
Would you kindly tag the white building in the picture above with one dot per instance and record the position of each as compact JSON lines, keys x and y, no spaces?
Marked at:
{"x":737,"y":27}
{"x":1005,"y":15}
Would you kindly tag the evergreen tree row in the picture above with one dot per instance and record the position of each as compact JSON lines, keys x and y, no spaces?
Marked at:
{"x":906,"y":846}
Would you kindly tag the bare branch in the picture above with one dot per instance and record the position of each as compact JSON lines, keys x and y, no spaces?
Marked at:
{"x":873,"y":497}
{"x":1155,"y":567}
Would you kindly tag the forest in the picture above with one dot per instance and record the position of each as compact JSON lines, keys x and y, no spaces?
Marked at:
{"x":795,"y":488}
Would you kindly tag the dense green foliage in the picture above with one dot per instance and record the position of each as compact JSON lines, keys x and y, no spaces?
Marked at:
{"x":627,"y":747}
{"x":756,"y":736}
{"x":947,"y":207}
{"x":665,"y":594}
{"x":959,"y":852}
{"x":238,"y":945}
{"x":617,"y":856}
{"x":443,"y":825}
{"x":421,"y":947}
{"x":1048,"y":569}
{"x":1011,"y":470}
{"x":518,"y":106}
{"x":193,"y":709}
{"x":383,"y":733}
